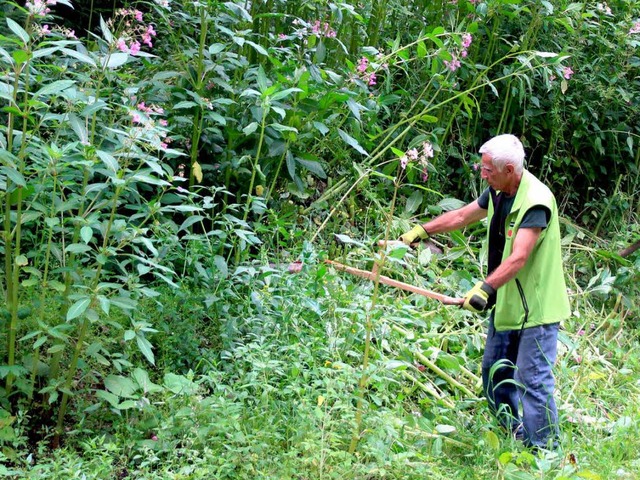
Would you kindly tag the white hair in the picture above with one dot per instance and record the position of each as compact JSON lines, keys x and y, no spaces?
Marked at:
{"x":505,"y":149}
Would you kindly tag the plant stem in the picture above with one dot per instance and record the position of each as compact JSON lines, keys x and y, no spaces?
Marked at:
{"x":364,"y":378}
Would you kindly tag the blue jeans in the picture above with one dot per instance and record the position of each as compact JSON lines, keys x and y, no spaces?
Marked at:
{"x":516,"y":371}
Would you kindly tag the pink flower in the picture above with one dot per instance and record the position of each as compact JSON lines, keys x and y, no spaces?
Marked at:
{"x":39,"y":8}
{"x":135,"y":48}
{"x":122,"y":45}
{"x":412,"y":154}
{"x":163,"y":145}
{"x":135,"y":118}
{"x":635,"y":28}
{"x":404,"y":161}
{"x":163,"y":122}
{"x":282,"y":36}
{"x":466,"y":40}
{"x":454,"y":64}
{"x":372,"y":79}
{"x":567,"y":72}
{"x":362,"y":65}
{"x":138,"y":15}
{"x":427,"y":150}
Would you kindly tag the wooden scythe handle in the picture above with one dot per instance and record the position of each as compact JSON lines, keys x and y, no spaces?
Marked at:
{"x":444,"y":299}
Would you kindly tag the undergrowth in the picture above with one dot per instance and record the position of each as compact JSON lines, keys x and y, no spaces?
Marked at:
{"x":267,"y":386}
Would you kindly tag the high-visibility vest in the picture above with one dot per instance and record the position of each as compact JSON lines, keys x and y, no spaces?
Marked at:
{"x":538,"y":293}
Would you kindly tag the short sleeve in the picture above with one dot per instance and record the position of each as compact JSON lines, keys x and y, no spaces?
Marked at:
{"x":483,"y":199}
{"x":536,"y":217}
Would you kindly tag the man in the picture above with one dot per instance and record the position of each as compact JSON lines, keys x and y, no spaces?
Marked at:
{"x":524,"y":289}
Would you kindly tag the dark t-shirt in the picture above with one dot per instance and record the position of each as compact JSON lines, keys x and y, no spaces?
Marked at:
{"x":535,"y":217}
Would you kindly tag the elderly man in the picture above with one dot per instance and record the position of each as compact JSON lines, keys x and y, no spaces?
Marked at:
{"x":524,"y":290}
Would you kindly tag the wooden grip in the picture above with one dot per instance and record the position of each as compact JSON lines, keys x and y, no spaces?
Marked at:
{"x":444,"y":299}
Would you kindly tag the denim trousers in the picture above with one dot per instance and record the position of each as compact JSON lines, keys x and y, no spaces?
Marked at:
{"x":518,"y":381}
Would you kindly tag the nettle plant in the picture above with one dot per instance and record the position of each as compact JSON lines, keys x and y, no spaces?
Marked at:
{"x":84,"y":179}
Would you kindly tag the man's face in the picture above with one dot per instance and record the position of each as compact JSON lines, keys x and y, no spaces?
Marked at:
{"x":496,"y":179}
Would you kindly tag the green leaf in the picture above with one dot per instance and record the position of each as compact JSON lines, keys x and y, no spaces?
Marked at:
{"x":14,"y":175}
{"x":79,"y":56}
{"x":258,"y":48}
{"x":112,"y":399}
{"x":115,"y":60}
{"x":179,"y":384}
{"x":20,"y":56}
{"x":351,"y":141}
{"x":313,"y":166}
{"x":321,"y":52}
{"x":109,"y":160}
{"x":448,"y":204}
{"x":145,"y":347}
{"x":86,"y":233}
{"x":184,"y":104}
{"x":422,"y":49}
{"x":262,"y":79}
{"x":54,"y":88}
{"x":249,"y":129}
{"x":221,"y":264}
{"x":216,"y":48}
{"x":321,"y":127}
{"x":445,"y":429}
{"x":429,"y":119}
{"x":545,"y":54}
{"x":284,"y":93}
{"x":106,"y":33}
{"x":190,"y":221}
{"x":78,"y":308}
{"x":142,"y":379}
{"x":18,"y":30}
{"x":129,"y":335}
{"x":120,"y":386}
{"x":414,"y":202}
{"x":77,"y":248}
{"x":492,"y":439}
{"x":505,"y":458}
{"x":6,"y":55}
{"x":79,"y":128}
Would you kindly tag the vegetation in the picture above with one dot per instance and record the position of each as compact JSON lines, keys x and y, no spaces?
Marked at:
{"x":174,"y":174}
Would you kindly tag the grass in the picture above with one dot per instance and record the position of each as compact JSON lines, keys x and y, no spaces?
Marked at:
{"x":269,"y":391}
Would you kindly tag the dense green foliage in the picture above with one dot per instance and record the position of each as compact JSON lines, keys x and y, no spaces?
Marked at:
{"x":172,"y":181}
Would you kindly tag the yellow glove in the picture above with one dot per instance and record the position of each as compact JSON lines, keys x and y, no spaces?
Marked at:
{"x":415,"y":234}
{"x":477,"y":298}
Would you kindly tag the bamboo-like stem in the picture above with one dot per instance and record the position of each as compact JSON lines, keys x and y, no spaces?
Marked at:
{"x":442,"y":374}
{"x":364,"y":379}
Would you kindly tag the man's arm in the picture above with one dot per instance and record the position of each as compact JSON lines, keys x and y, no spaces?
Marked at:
{"x":523,"y":244}
{"x":455,"y":219}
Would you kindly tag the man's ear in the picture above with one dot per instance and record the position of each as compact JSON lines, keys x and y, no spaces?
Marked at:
{"x":509,"y":169}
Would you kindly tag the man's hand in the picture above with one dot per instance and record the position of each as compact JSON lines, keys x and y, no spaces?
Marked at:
{"x":476,"y":299}
{"x":413,"y":235}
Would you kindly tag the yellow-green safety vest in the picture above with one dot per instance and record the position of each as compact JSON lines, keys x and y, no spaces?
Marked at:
{"x":538,"y":293}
